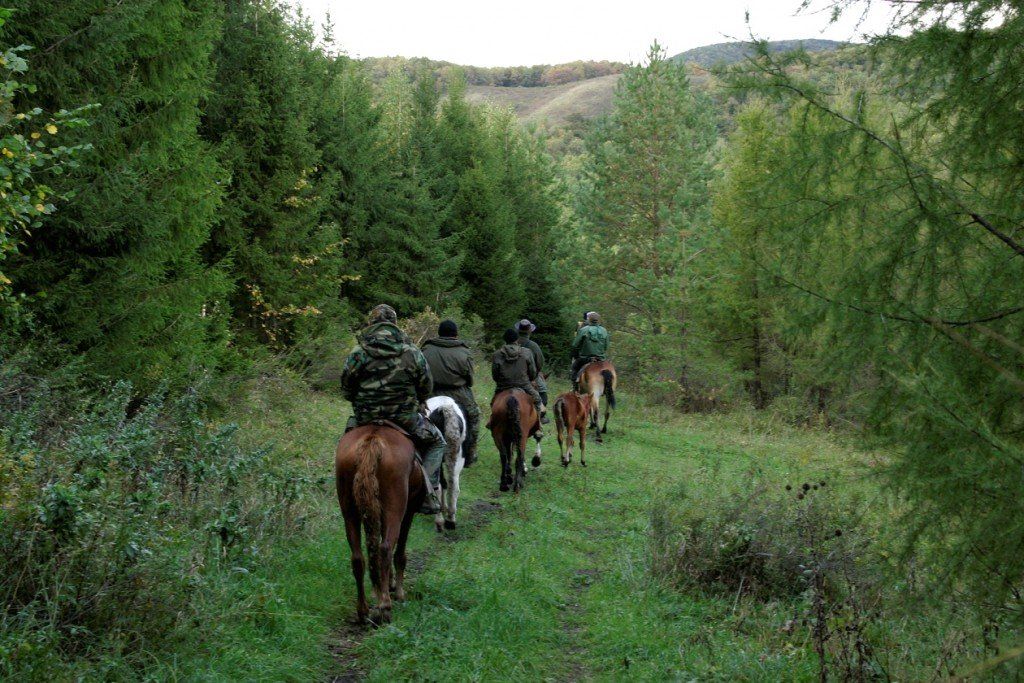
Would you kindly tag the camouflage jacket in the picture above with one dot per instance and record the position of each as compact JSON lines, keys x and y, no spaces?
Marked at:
{"x":385,"y":376}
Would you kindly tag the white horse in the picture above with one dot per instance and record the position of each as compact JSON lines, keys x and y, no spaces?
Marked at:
{"x":446,"y":415}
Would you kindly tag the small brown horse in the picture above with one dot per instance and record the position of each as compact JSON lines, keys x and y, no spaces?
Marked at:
{"x":513,"y":420}
{"x":599,"y":379}
{"x":380,"y":487}
{"x":572,"y":413}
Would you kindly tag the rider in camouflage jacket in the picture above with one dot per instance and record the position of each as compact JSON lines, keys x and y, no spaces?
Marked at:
{"x":386,"y":378}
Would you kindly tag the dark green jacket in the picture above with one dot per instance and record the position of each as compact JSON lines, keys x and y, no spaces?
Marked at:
{"x":513,"y":366}
{"x":385,"y":377}
{"x":591,"y":340}
{"x":450,"y":362}
{"x":538,"y":355}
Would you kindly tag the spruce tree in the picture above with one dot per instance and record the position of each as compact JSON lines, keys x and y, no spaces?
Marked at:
{"x":283,"y":258}
{"x":116,"y":274}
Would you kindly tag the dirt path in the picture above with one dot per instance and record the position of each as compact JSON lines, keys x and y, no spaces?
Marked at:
{"x":345,"y":641}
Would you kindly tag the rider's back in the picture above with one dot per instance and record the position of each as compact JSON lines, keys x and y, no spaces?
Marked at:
{"x":385,"y":377}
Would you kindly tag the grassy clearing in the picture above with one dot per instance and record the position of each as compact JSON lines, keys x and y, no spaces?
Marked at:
{"x":553,"y":584}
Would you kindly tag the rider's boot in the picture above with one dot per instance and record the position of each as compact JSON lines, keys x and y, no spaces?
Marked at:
{"x":431,"y":443}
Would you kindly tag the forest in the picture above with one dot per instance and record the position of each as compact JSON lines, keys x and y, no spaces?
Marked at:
{"x":811,"y":265}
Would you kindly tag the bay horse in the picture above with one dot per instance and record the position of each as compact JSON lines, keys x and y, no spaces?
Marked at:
{"x":572,"y":413}
{"x":446,"y":415}
{"x":380,"y":488}
{"x":598,"y":378}
{"x":513,"y":420}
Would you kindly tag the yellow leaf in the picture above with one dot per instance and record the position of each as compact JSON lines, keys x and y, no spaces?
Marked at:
{"x":36,"y":135}
{"x":40,"y":208}
{"x":51,"y":129}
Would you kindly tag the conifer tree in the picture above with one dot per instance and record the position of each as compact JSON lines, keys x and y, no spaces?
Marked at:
{"x":645,"y":205}
{"x":116,"y":273}
{"x":283,"y":257}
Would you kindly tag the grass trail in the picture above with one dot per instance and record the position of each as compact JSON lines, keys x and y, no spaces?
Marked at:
{"x":555,"y":587}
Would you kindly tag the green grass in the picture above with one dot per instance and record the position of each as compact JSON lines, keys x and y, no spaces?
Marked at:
{"x":552,"y":584}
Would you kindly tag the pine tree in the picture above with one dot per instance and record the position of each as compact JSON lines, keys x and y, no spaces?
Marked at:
{"x":116,"y":273}
{"x":741,"y":297}
{"x":645,"y":204}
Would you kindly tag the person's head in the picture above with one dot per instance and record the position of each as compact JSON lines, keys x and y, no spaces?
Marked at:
{"x":525,"y":326}
{"x":593,"y":318}
{"x":382,"y":313}
{"x":511,"y":335}
{"x":585,"y":314}
{"x":447,"y":328}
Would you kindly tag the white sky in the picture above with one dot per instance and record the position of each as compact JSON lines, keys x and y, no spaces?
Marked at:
{"x":525,"y":32}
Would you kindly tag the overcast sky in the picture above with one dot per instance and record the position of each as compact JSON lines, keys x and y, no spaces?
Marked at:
{"x":524,"y":32}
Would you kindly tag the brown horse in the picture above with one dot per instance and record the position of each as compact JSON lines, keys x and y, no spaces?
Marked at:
{"x":513,"y":420}
{"x":572,"y":413}
{"x":598,"y":379}
{"x":380,"y":487}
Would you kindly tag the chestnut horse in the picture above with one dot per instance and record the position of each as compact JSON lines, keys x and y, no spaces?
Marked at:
{"x":380,"y":487}
{"x":598,"y":379}
{"x":513,"y":420}
{"x":572,"y":413}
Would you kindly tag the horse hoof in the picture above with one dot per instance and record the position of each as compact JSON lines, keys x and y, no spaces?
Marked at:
{"x":583,"y":463}
{"x":448,"y":524}
{"x":536,"y":461}
{"x":440,"y":527}
{"x":565,"y":463}
{"x":503,"y":487}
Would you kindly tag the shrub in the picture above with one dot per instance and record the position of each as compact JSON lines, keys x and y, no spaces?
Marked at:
{"x":118,"y":517}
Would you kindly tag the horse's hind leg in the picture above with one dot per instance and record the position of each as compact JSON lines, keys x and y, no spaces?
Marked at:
{"x":506,"y":467}
{"x":401,"y":559}
{"x":520,"y":473}
{"x":595,"y":415}
{"x":392,"y":532}
{"x":355,"y":543}
{"x":607,"y":412}
{"x":583,"y":445}
{"x":537,"y":453}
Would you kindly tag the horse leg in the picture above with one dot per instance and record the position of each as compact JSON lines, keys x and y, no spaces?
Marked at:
{"x":520,"y":465}
{"x":506,"y":470}
{"x":562,"y":450}
{"x":451,"y":497}
{"x":607,"y":412}
{"x":401,"y":559}
{"x":595,"y":415}
{"x":583,"y":445}
{"x":355,"y":544}
{"x":392,"y":531}
{"x":536,"y":454}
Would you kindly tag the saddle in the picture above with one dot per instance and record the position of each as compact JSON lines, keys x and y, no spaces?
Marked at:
{"x":380,"y":422}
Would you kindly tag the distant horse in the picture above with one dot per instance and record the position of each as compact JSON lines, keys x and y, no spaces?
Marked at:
{"x":446,"y":415}
{"x":380,"y":487}
{"x":572,"y":413}
{"x":513,"y":420}
{"x":598,"y":379}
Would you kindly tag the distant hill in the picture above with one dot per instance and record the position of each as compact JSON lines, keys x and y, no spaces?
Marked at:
{"x":587,"y":98}
{"x":729,"y":53}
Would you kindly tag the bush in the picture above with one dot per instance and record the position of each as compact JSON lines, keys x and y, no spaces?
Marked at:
{"x":120,"y":517}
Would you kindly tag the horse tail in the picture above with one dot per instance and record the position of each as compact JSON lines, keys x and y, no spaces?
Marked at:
{"x":562,"y":417}
{"x":609,"y":389}
{"x":366,"y":492}
{"x":514,"y":431}
{"x":449,"y":422}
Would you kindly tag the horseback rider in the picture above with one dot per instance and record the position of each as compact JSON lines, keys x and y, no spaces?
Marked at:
{"x":590,"y":344}
{"x":451,"y":365}
{"x":525,"y":327}
{"x":386,"y":379}
{"x":513,"y":367}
